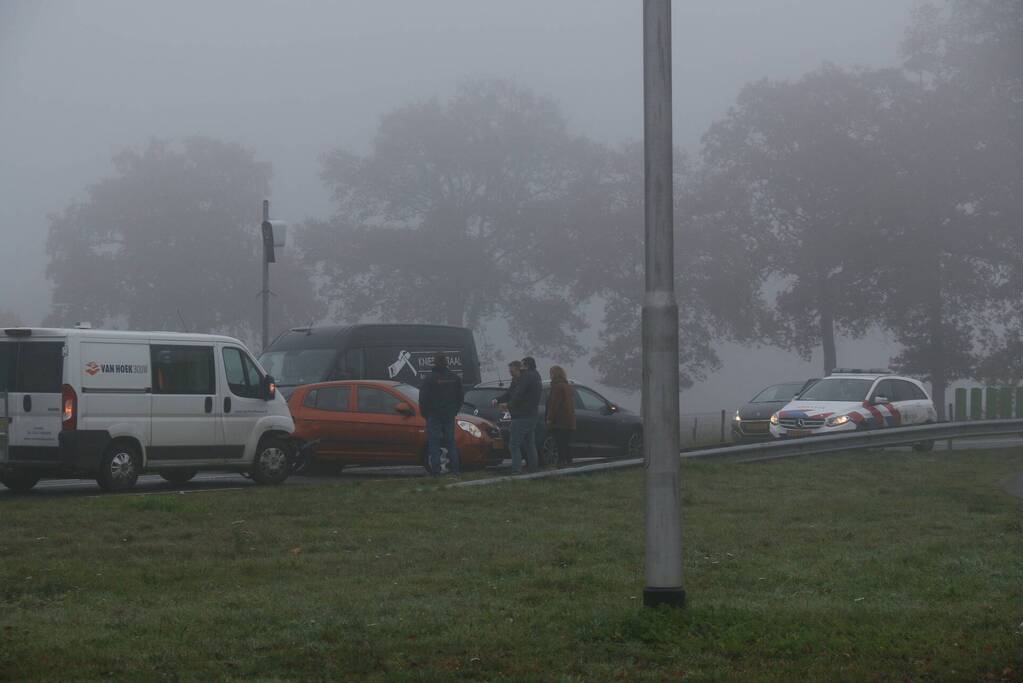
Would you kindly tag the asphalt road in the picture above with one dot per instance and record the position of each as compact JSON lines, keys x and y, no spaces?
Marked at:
{"x":203,"y":482}
{"x":150,"y":484}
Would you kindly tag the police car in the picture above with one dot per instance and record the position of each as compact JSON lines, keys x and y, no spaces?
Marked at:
{"x":849,"y":399}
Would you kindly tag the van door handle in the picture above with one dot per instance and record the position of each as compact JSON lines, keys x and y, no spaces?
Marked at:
{"x":209,"y":404}
{"x":227,"y":404}
{"x":26,"y":403}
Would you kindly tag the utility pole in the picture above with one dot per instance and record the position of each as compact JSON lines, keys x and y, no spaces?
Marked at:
{"x":273,"y":237}
{"x":660,"y":321}
{"x":268,"y":255}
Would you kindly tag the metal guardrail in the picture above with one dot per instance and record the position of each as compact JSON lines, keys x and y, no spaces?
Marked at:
{"x":895,"y":436}
{"x":810,"y":445}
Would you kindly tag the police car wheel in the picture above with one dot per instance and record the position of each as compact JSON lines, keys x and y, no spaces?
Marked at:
{"x":119,"y":468}
{"x":273,"y":462}
{"x":19,"y":482}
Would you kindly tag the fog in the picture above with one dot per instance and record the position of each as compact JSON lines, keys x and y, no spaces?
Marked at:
{"x":81,"y":80}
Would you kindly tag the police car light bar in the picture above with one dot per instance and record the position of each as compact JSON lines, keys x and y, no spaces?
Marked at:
{"x":861,"y":371}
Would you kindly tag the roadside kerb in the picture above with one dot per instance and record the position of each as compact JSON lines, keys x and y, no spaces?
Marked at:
{"x":817,"y":445}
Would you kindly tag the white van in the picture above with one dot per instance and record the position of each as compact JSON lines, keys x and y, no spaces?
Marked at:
{"x":109,"y":405}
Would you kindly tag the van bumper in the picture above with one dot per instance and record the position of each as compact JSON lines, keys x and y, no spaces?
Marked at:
{"x":78,"y":452}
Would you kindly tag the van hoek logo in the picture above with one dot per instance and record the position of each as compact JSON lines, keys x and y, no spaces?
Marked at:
{"x":92,"y":368}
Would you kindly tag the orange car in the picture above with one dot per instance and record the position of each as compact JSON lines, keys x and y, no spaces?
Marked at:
{"x":371,"y":422}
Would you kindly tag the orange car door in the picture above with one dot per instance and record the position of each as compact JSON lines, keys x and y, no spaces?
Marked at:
{"x":328,"y":412}
{"x":387,"y":436}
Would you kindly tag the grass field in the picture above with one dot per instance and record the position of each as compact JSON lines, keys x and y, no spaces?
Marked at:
{"x":872,"y":566}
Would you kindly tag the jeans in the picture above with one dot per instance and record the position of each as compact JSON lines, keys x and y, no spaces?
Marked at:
{"x":441,"y":431}
{"x":523,"y":433}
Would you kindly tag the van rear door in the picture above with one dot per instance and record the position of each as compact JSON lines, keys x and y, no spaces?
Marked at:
{"x":34,"y":374}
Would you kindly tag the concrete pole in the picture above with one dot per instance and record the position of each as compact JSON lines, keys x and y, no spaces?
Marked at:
{"x":266,"y":280}
{"x":660,"y":321}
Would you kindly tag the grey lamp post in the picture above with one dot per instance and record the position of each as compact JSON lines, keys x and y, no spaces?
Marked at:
{"x":660,"y":321}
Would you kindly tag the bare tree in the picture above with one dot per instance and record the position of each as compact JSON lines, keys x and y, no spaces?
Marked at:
{"x":458,"y":215}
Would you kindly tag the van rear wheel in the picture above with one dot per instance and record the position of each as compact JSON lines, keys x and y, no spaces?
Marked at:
{"x":273,"y":461}
{"x":119,"y":468}
{"x":19,"y":482}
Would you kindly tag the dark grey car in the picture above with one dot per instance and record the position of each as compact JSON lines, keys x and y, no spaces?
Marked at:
{"x":603,"y":429}
{"x":752,"y":422}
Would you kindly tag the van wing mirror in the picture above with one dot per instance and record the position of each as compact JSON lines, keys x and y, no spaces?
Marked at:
{"x":404,"y":409}
{"x":268,"y":388}
{"x":878,"y":400}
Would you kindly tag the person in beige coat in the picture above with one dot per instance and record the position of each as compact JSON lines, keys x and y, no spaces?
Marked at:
{"x":560,"y":414}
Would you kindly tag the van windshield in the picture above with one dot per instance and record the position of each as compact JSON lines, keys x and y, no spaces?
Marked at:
{"x":298,"y":366}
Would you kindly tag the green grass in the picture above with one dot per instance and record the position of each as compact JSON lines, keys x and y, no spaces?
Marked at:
{"x":880,"y":566}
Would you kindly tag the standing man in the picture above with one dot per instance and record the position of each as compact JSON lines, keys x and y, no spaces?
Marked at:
{"x":440,"y":398}
{"x":523,"y":401}
{"x":532,"y":393}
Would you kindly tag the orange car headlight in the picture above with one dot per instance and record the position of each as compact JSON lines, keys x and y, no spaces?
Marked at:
{"x":473,"y":430}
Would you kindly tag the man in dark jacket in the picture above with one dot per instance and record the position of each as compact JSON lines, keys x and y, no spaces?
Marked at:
{"x":523,"y":400}
{"x":440,"y":398}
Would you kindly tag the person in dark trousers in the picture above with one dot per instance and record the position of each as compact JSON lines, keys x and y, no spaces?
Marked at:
{"x":523,"y":401}
{"x":440,"y":398}
{"x":560,"y":414}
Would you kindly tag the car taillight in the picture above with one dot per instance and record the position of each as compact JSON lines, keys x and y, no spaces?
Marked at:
{"x":69,"y":402}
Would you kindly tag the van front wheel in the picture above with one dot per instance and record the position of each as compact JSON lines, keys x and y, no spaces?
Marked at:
{"x":273,"y":461}
{"x":119,"y":468}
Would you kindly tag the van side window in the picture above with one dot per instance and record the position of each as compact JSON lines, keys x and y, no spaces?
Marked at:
{"x":242,"y":376}
{"x":183,"y":369}
{"x":40,"y":367}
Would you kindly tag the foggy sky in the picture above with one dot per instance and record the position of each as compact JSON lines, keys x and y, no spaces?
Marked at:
{"x":80,"y":80}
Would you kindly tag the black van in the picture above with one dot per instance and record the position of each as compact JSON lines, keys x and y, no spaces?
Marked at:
{"x":403,"y":353}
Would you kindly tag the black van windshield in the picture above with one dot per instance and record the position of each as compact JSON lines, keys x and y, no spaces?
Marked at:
{"x":298,"y":366}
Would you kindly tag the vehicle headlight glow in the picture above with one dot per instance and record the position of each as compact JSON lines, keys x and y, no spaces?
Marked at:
{"x":837,"y":421}
{"x":471,"y":428}
{"x":737,"y":418}
{"x":774,"y":419}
